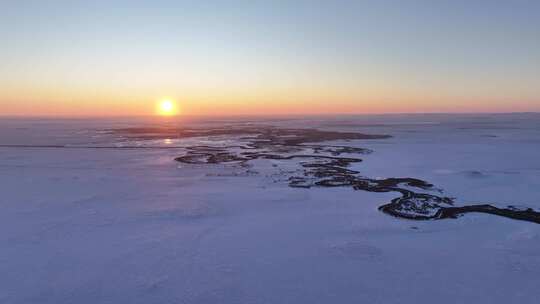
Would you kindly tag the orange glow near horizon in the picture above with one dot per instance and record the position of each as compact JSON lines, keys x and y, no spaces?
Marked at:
{"x":250,"y":106}
{"x":316,"y":101}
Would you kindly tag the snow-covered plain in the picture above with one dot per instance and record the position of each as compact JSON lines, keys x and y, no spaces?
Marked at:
{"x":113,"y":225}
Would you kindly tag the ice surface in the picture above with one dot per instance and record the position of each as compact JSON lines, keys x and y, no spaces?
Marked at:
{"x":86,"y":225}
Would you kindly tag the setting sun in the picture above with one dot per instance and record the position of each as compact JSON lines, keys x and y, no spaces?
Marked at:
{"x":167,"y":107}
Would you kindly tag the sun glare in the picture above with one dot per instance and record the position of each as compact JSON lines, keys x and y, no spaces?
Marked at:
{"x":167,"y":107}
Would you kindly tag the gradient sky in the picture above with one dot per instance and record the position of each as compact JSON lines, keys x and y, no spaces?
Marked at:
{"x":269,"y":57}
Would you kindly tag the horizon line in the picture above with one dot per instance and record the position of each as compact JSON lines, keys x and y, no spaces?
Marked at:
{"x":74,"y":116}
